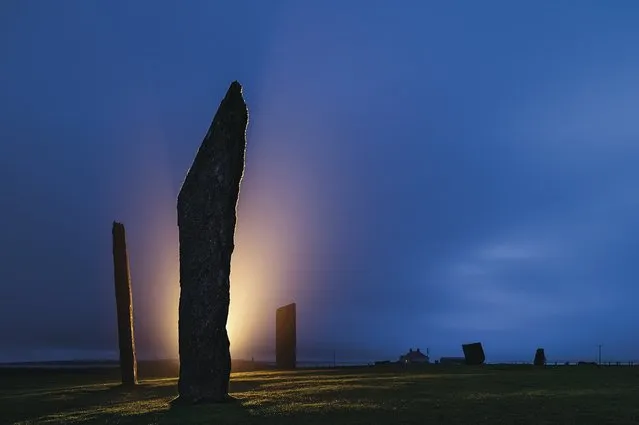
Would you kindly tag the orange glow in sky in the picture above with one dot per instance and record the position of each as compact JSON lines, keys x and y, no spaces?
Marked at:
{"x":272,"y":235}
{"x":267,"y":244}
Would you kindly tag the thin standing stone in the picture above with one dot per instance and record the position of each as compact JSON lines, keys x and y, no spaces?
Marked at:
{"x":124,"y":303}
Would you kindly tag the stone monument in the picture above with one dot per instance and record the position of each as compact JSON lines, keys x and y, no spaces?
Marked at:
{"x":206,"y":209}
{"x":286,"y":337}
{"x":124,"y":305}
{"x":540,"y":357}
{"x":474,"y":353}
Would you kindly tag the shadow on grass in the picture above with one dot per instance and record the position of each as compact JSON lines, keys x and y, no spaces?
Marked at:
{"x":148,"y":402}
{"x":57,"y":405}
{"x":477,"y":396}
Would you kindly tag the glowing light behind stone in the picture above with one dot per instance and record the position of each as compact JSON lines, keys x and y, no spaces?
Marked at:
{"x":270,"y":241}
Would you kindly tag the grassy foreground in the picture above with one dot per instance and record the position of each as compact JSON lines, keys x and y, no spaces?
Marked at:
{"x":428,"y":395}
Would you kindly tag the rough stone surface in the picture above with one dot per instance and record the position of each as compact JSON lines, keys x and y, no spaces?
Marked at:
{"x":206,"y":209}
{"x":540,"y":357}
{"x":474,"y":353}
{"x":286,"y":337}
{"x":124,"y":303}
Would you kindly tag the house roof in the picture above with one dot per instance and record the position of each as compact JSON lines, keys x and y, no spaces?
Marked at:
{"x":414,"y":355}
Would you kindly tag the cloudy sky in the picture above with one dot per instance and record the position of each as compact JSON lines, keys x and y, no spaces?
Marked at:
{"x":419,"y":173}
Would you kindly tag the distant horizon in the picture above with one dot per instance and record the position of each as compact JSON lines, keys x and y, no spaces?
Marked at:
{"x":325,"y":362}
{"x":75,"y":356}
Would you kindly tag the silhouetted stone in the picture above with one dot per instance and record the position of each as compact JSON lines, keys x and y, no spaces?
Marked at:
{"x":474,"y":353}
{"x":285,"y":337}
{"x":540,"y":357}
{"x":206,"y":219}
{"x":124,"y":304}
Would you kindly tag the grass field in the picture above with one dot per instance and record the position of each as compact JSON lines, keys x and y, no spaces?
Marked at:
{"x":428,"y":395}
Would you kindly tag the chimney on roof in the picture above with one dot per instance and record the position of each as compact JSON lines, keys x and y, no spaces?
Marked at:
{"x":410,"y":350}
{"x":418,"y":350}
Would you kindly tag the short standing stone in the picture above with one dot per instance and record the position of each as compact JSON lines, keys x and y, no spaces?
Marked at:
{"x":474,"y":353}
{"x":124,"y":304}
{"x":286,"y":337}
{"x":206,"y":219}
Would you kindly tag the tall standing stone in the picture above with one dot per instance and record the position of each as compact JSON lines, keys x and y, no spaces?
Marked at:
{"x":540,"y":357}
{"x":206,"y":209}
{"x":286,"y":337}
{"x":124,"y":304}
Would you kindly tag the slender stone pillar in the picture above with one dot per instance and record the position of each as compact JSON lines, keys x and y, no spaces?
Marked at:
{"x":124,"y":303}
{"x":206,"y":219}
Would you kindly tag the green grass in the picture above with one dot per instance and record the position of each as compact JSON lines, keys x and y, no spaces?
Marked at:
{"x":428,"y":395}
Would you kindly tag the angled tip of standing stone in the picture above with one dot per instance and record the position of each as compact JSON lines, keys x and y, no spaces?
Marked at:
{"x":226,"y":137}
{"x":117,"y":228}
{"x":234,"y":101}
{"x":235,"y":89}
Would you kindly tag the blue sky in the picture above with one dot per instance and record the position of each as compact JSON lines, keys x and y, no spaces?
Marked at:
{"x":417,"y":176}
